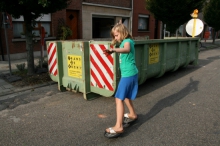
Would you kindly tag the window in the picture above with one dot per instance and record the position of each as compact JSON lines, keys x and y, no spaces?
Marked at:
{"x":101,"y":26}
{"x":44,"y":21}
{"x":125,"y":21}
{"x":143,"y":22}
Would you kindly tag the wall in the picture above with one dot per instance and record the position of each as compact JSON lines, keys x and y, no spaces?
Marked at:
{"x":89,"y":10}
{"x":86,"y":8}
{"x":74,"y":5}
{"x":17,"y":47}
{"x":118,"y":3}
{"x":139,"y":8}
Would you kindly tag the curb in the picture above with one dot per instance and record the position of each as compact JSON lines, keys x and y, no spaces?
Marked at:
{"x":16,"y":90}
{"x":208,"y":47}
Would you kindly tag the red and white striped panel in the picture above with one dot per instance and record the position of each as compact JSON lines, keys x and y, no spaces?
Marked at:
{"x":52,"y":60}
{"x":101,"y":67}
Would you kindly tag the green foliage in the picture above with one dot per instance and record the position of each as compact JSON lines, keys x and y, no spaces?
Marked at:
{"x":31,"y":10}
{"x":19,"y":73}
{"x":211,"y":14}
{"x":44,"y":63}
{"x":66,"y":32}
{"x":63,"y":30}
{"x":44,"y":3}
{"x":20,"y":67}
{"x":173,"y":13}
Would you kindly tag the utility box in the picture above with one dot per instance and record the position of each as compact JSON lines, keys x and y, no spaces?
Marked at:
{"x":81,"y":66}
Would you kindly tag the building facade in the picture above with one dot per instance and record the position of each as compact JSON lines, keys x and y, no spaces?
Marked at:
{"x":144,"y":24}
{"x":100,"y":16}
{"x":88,"y":19}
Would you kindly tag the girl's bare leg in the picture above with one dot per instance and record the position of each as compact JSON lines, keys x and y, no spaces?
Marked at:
{"x":132,"y":114}
{"x":119,"y":114}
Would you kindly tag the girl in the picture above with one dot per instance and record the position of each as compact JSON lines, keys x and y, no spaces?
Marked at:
{"x":128,"y":85}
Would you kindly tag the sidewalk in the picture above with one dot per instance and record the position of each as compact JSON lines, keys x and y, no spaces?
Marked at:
{"x":6,"y":88}
{"x":209,"y":45}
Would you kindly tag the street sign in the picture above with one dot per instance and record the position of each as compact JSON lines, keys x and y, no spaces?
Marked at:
{"x":194,"y":27}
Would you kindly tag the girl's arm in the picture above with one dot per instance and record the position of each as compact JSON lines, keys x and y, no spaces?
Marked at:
{"x":126,"y":48}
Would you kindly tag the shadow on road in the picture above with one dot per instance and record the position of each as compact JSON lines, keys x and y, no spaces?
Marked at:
{"x":154,"y":83}
{"x":168,"y":101}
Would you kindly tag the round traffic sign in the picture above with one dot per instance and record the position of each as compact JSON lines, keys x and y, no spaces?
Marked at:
{"x":198,"y":27}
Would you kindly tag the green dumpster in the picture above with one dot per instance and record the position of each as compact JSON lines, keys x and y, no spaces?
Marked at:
{"x":81,"y":66}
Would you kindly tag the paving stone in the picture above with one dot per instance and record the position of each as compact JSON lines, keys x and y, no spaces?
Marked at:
{"x":8,"y":86}
{"x":2,"y":107}
{"x":13,"y":78}
{"x":2,"y":89}
{"x":5,"y":91}
{"x":2,"y":82}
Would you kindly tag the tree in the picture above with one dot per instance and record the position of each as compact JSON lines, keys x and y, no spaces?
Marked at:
{"x":31,"y":10}
{"x":173,"y":13}
{"x":211,"y":15}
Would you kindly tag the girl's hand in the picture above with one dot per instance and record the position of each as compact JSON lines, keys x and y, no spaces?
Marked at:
{"x":108,"y":52}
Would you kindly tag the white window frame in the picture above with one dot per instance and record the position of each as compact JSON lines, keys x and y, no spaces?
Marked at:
{"x":143,"y":19}
{"x":45,"y":18}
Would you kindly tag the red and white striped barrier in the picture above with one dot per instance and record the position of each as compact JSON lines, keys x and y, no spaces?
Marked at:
{"x":101,"y":67}
{"x":52,"y":60}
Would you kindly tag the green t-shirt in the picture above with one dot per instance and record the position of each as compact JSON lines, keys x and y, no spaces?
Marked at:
{"x":127,"y":60}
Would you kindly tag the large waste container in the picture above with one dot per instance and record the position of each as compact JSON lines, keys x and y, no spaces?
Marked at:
{"x":81,"y":66}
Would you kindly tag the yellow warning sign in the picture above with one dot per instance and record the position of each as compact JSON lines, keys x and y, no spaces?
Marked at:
{"x":74,"y":64}
{"x":154,"y":53}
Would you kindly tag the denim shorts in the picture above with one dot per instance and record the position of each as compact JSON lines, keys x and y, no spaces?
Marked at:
{"x":127,"y":88}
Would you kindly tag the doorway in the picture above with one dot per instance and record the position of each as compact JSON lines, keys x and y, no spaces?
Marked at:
{"x":101,"y":26}
{"x":72,"y":22}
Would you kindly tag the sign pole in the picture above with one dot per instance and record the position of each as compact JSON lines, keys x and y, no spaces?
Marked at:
{"x":6,"y":40}
{"x":194,"y":28}
{"x":194,"y":15}
{"x":42,"y":44}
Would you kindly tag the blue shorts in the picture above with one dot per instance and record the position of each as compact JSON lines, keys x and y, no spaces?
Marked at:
{"x":127,"y":88}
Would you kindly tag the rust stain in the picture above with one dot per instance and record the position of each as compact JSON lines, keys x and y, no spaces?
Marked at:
{"x":82,"y":47}
{"x":102,"y":116}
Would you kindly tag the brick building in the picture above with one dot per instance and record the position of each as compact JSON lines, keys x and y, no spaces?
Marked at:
{"x":88,"y":19}
{"x":142,"y":17}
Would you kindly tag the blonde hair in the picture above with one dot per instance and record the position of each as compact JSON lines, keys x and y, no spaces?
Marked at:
{"x":120,"y":28}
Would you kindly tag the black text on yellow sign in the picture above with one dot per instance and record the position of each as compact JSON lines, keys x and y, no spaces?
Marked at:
{"x":154,"y":53}
{"x":74,"y":64}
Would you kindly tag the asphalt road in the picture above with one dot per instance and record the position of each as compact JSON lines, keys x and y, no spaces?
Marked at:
{"x":179,"y":109}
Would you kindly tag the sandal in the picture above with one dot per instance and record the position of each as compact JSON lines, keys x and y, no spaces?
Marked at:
{"x":112,"y":133}
{"x":128,"y":121}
